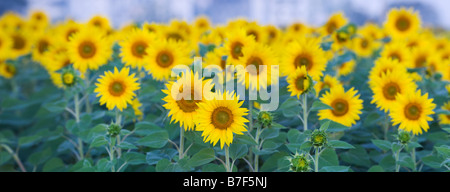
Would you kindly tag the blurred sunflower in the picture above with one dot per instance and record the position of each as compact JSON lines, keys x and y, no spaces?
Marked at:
{"x":388,"y":86}
{"x":328,"y":82}
{"x":218,"y":119}
{"x":99,"y":22}
{"x":133,"y":47}
{"x":89,"y":49}
{"x":68,"y":29}
{"x":136,"y":105}
{"x":41,"y":47}
{"x":116,"y":89}
{"x":384,"y":65}
{"x":412,"y":111}
{"x":346,"y":106}
{"x":443,"y":118}
{"x":5,"y":46}
{"x":218,"y":58}
{"x":419,"y":57}
{"x":183,"y":106}
{"x":7,"y":70}
{"x":304,"y":52}
{"x":21,"y":44}
{"x":163,"y":55}
{"x":299,"y":82}
{"x":364,"y":46}
{"x":335,"y":22}
{"x":396,"y":50}
{"x":346,"y":68}
{"x":401,"y":23}
{"x":273,"y":34}
{"x":235,"y":41}
{"x":151,"y":27}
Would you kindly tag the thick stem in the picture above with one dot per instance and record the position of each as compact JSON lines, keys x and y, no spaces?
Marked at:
{"x":88,"y":84}
{"x":316,"y":160}
{"x":227,"y":159}
{"x":305,"y":111}
{"x":111,"y":154}
{"x":181,"y":147}
{"x":77,"y":119}
{"x":397,"y":156}
{"x":413,"y":157}
{"x":256,"y":161}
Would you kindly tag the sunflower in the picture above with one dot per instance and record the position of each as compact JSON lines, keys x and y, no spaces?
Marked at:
{"x":163,"y":55}
{"x":21,"y":44}
{"x":346,"y":68}
{"x":253,"y":29}
{"x":39,"y":17}
{"x":89,"y":49}
{"x":151,"y":27}
{"x":202,"y":23}
{"x":5,"y":46}
{"x":383,"y":65}
{"x":304,"y":52}
{"x":236,"y":41}
{"x":57,"y":57}
{"x":419,"y":57}
{"x":298,"y":29}
{"x":260,"y":58}
{"x":183,"y":105}
{"x":41,"y":47}
{"x":116,"y":89}
{"x":396,"y":50}
{"x":341,"y":39}
{"x":401,"y":23}
{"x":364,"y":46}
{"x":56,"y":79}
{"x":7,"y":70}
{"x":218,"y":119}
{"x":328,"y":82}
{"x":133,"y":47}
{"x":444,"y":118}
{"x":273,"y":34}
{"x":299,"y":82}
{"x":67,"y":30}
{"x":335,"y":22}
{"x":346,"y":106}
{"x":176,"y":31}
{"x":371,"y":30}
{"x":99,"y":22}
{"x":412,"y":111}
{"x":136,"y":105}
{"x":388,"y":86}
{"x":217,"y":59}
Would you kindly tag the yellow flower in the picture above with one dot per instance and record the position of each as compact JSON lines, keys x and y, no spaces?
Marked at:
{"x":7,"y":70}
{"x":183,"y":104}
{"x":419,"y":57}
{"x":202,"y":23}
{"x":99,"y":22}
{"x":133,"y":47}
{"x":236,"y":41}
{"x":335,"y":22}
{"x":253,"y":29}
{"x":412,"y":112}
{"x":116,"y":89}
{"x":388,"y":86}
{"x":372,"y":31}
{"x":151,"y":27}
{"x":163,"y":55}
{"x":262,"y":58}
{"x":346,"y":68}
{"x":402,"y":23}
{"x":346,"y":106}
{"x":39,"y":17}
{"x":299,"y":82}
{"x":364,"y":46}
{"x":67,"y":30}
{"x":56,"y":79}
{"x":329,"y":82}
{"x":304,"y":52}
{"x":5,"y":46}
{"x":443,"y":118}
{"x":216,"y":58}
{"x":89,"y":49}
{"x":41,"y":47}
{"x":219,"y":119}
{"x":396,"y":50}
{"x":273,"y":34}
{"x":298,"y":29}
{"x":21,"y":44}
{"x":383,"y":65}
{"x":136,"y":104}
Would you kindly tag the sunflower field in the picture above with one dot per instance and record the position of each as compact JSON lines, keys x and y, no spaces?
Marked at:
{"x":88,"y":97}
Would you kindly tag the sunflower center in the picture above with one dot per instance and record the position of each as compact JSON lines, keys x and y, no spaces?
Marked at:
{"x":138,"y":49}
{"x":254,"y":61}
{"x":223,"y":64}
{"x":331,"y":27}
{"x":253,"y":33}
{"x":390,"y":90}
{"x":364,"y":43}
{"x":18,"y":42}
{"x":87,"y":50}
{"x":164,"y":59}
{"x":175,"y":36}
{"x":188,"y":106}
{"x":303,"y":60}
{"x":66,"y":63}
{"x":395,"y":56}
{"x":325,"y":86}
{"x":43,"y":46}
{"x":412,"y":111}
{"x":10,"y":69}
{"x":421,"y":61}
{"x":342,"y":37}
{"x":236,"y":50}
{"x":300,"y":83}
{"x":222,"y":118}
{"x":402,"y":24}
{"x":117,"y":88}
{"x":340,"y":107}
{"x":70,"y":33}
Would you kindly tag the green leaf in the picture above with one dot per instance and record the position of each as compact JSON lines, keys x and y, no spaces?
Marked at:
{"x":371,"y":119}
{"x":125,"y":145}
{"x":277,"y":126}
{"x":134,"y":158}
{"x":4,"y":157}
{"x":395,"y":147}
{"x":324,"y":126}
{"x":98,"y":142}
{"x":204,"y":156}
{"x":145,"y":128}
{"x":336,"y":127}
{"x":357,"y":156}
{"x":376,"y":168}
{"x":156,"y":138}
{"x":56,"y":107}
{"x":99,"y":130}
{"x":213,"y":168}
{"x":328,"y":157}
{"x":318,"y":105}
{"x":443,"y":150}
{"x":340,"y":144}
{"x":433,"y":161}
{"x":245,"y":139}
{"x":382,"y":144}
{"x":153,"y":157}
{"x":103,"y":165}
{"x":40,"y":157}
{"x":238,"y":151}
{"x":53,"y":165}
{"x":29,"y":140}
{"x":269,"y":133}
{"x":334,"y":169}
{"x":290,"y":107}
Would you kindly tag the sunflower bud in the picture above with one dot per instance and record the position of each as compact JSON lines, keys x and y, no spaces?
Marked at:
{"x":404,"y":137}
{"x":265,"y":118}
{"x":69,"y":78}
{"x":299,"y":163}
{"x":113,"y":130}
{"x":319,"y":138}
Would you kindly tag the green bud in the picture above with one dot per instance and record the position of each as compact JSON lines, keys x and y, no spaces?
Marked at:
{"x":69,"y":78}
{"x":114,"y":130}
{"x":319,"y":138}
{"x":265,"y":118}
{"x":404,"y":137}
{"x":300,"y":163}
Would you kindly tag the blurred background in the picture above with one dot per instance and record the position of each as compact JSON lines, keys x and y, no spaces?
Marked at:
{"x":277,"y":12}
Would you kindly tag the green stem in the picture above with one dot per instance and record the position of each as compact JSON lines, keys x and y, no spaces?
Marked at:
{"x":256,"y":162}
{"x":386,"y":127}
{"x":77,"y":119}
{"x":413,"y":157}
{"x":88,"y":84}
{"x":316,"y":160}
{"x":397,"y":156}
{"x":118,"y":118}
{"x":305,"y":111}
{"x":227,"y":159}
{"x":15,"y":156}
{"x":250,"y":115}
{"x":181,"y":148}
{"x":111,"y":154}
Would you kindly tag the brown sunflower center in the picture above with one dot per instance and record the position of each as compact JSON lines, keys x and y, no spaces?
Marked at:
{"x":117,"y":88}
{"x":70,"y":33}
{"x":164,"y":59}
{"x":175,"y":36}
{"x":331,"y":27}
{"x":222,"y":118}
{"x":402,"y":24}
{"x":18,"y":42}
{"x":325,"y":85}
{"x":253,"y":33}
{"x":342,"y":37}
{"x":254,"y":61}
{"x":412,"y":111}
{"x":340,"y":107}
{"x":420,"y":61}
{"x":364,"y":43}
{"x":236,"y":50}
{"x":395,"y":56}
{"x":300,"y":83}
{"x":138,"y":49}
{"x":10,"y":69}
{"x":43,"y":46}
{"x":87,"y":50}
{"x":303,"y":60}
{"x":390,"y":90}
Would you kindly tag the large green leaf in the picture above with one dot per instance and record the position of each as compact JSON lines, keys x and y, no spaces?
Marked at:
{"x":204,"y":156}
